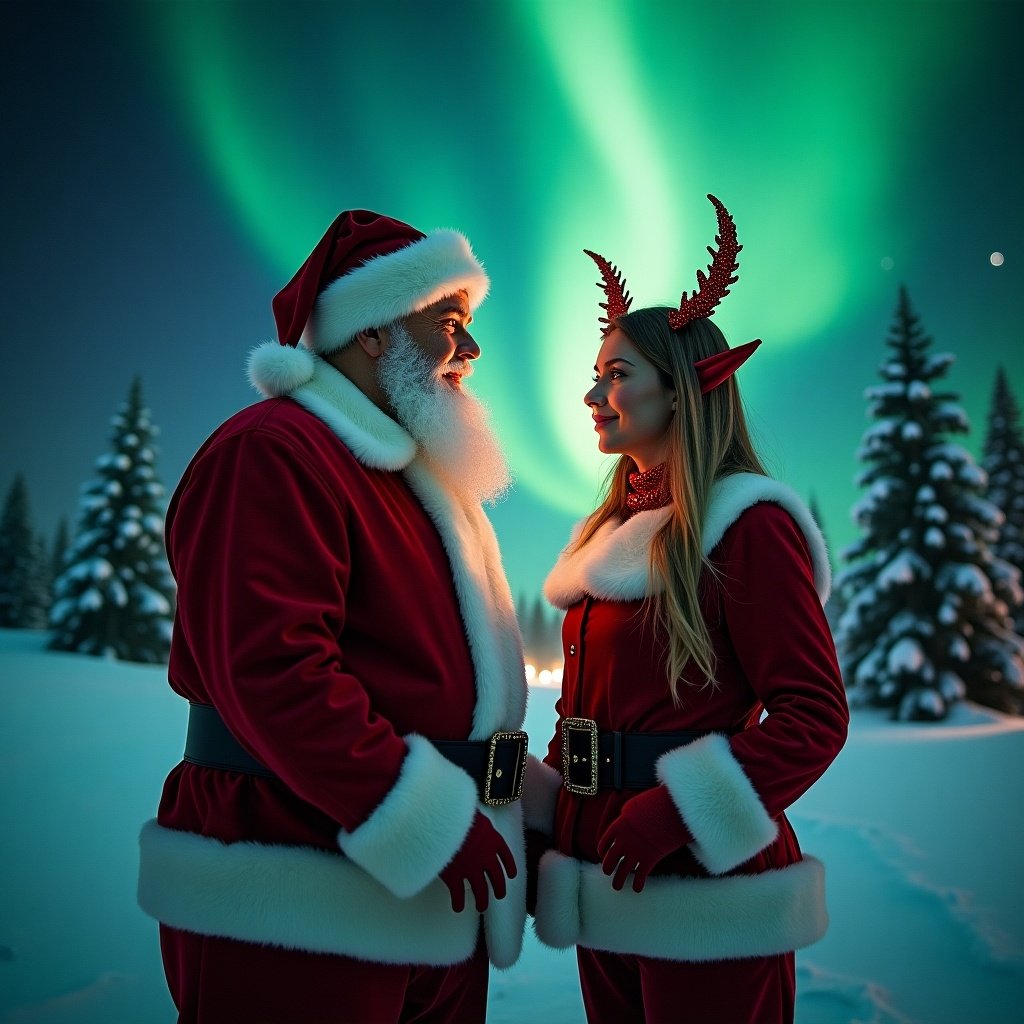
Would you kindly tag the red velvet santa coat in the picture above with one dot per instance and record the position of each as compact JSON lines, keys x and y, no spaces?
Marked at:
{"x":340,"y":607}
{"x":741,"y":888}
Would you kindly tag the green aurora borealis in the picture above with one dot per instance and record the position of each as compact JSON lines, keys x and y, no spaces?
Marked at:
{"x":856,"y":145}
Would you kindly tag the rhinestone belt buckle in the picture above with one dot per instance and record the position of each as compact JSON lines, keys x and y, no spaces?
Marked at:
{"x":506,"y":768}
{"x":579,"y":755}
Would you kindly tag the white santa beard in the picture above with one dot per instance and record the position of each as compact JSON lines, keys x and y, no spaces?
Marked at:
{"x":449,"y":424}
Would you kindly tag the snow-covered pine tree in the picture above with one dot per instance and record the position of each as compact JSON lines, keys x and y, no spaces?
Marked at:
{"x":833,"y":606}
{"x":114,"y":597}
{"x":59,"y":551}
{"x":926,"y":602}
{"x":1003,"y":460}
{"x":24,"y":583}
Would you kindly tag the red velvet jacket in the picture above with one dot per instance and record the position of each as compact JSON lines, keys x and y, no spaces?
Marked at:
{"x":779,"y":708}
{"x":330,"y":607}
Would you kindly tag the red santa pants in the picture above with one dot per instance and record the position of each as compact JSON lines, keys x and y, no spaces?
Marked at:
{"x":219,"y":981}
{"x":622,"y":989}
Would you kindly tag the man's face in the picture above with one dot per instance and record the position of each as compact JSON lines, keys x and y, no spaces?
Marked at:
{"x":440,"y":332}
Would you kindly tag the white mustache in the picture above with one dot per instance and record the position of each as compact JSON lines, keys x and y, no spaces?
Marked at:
{"x":463,"y":367}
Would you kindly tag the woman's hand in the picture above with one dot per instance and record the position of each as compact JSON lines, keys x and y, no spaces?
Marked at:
{"x":646,"y":831}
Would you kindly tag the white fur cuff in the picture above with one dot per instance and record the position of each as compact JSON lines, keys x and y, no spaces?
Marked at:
{"x":691,"y":919}
{"x":717,"y":803}
{"x":557,"y":920}
{"x":419,"y":826}
{"x":540,"y":794}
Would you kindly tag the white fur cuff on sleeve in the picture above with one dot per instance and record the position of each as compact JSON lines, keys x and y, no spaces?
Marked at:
{"x":557,"y":921}
{"x":717,"y":802}
{"x":419,"y":826}
{"x":540,"y":793}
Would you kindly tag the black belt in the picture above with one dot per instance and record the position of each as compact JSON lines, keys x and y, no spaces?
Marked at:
{"x":497,"y":765}
{"x":594,"y":759}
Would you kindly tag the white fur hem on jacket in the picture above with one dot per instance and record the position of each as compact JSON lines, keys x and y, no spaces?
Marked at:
{"x":320,"y":902}
{"x":717,"y":802}
{"x":419,"y":826}
{"x":695,"y":919}
{"x":615,"y":563}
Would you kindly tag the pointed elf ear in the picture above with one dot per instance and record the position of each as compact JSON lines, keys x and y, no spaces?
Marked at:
{"x":717,"y":369}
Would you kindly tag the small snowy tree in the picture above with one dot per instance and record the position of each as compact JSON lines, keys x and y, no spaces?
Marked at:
{"x":24,"y":578}
{"x":1003,"y":460}
{"x":926,"y":602}
{"x":114,"y":597}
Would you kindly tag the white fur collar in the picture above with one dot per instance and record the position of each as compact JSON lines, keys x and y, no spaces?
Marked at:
{"x":373,"y":437}
{"x":614,"y":565}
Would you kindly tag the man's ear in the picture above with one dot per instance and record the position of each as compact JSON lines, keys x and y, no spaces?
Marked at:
{"x":372,"y":342}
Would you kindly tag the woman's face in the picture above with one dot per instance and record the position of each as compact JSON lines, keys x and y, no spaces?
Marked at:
{"x":631,"y":406}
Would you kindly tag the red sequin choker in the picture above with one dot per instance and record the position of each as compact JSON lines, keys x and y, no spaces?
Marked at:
{"x":646,"y":490}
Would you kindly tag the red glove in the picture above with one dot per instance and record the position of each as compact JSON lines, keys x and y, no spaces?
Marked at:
{"x":481,"y":857}
{"x":646,"y":831}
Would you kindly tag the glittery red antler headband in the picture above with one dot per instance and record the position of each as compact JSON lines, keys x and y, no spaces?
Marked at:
{"x":711,"y":289}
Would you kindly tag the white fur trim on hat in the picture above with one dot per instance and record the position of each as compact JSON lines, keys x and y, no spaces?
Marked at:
{"x":615,"y":563}
{"x":540,"y":794}
{"x":717,"y":802}
{"x":392,"y":286}
{"x":417,"y":829}
{"x":296,"y":897}
{"x":693,"y":919}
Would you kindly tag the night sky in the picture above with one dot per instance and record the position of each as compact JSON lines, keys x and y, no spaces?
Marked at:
{"x":168,"y":165}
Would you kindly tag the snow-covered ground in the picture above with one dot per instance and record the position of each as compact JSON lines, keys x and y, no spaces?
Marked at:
{"x":920,"y":828}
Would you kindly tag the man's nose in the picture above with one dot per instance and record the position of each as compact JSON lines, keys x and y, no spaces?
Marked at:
{"x":467,"y":347}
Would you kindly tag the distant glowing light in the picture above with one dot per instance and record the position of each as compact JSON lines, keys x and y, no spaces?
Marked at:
{"x":550,"y":677}
{"x":996,"y":259}
{"x":888,"y":263}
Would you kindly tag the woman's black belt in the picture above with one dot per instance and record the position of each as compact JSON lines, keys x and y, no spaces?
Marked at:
{"x":594,"y":759}
{"x":497,"y":765}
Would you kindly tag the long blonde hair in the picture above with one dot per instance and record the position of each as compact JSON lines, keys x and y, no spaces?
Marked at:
{"x":707,"y":439}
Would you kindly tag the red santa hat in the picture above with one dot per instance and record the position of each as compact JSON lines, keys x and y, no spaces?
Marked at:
{"x":368,"y":270}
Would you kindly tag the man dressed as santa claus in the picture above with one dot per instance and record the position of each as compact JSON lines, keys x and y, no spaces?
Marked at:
{"x":343,"y":839}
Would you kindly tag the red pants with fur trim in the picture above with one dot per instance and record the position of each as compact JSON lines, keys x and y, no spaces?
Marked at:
{"x":620,"y":989}
{"x":219,"y":981}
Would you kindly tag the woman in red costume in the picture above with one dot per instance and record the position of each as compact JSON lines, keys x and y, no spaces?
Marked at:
{"x":701,"y":695}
